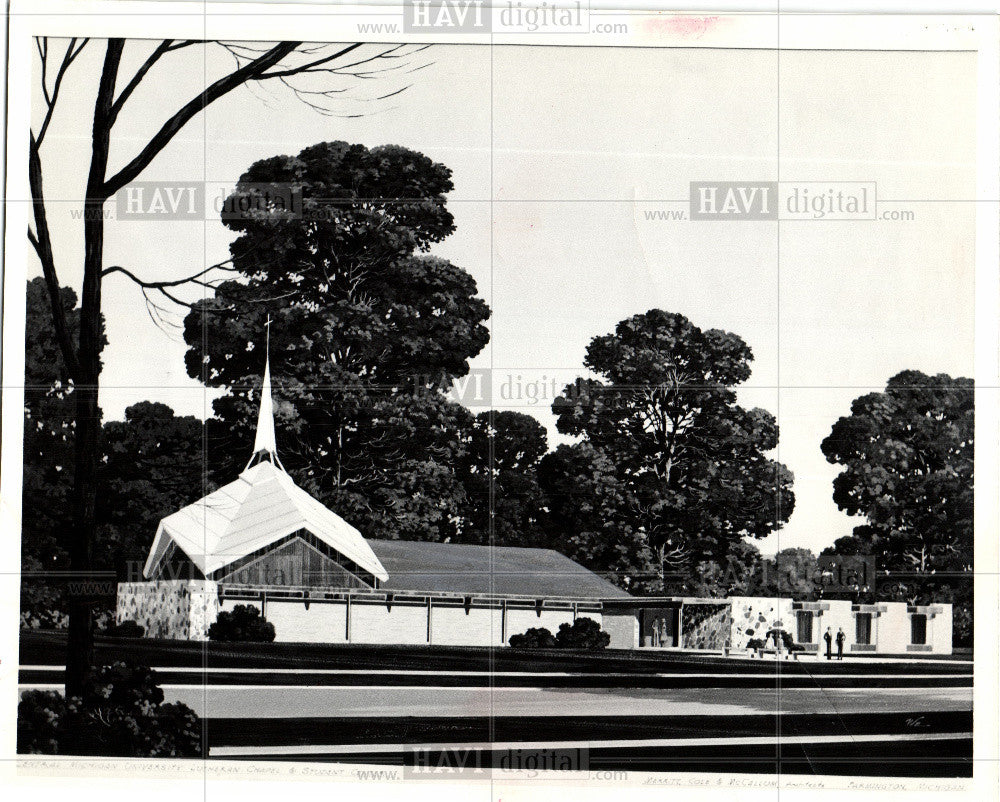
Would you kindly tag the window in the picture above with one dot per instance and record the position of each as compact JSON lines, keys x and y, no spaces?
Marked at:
{"x":863,"y":628}
{"x":918,"y":629}
{"x":805,"y":626}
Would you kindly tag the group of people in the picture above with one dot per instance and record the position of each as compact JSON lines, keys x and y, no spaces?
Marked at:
{"x":829,"y":638}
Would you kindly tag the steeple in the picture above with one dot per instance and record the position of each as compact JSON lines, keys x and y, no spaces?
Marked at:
{"x":264,"y":442}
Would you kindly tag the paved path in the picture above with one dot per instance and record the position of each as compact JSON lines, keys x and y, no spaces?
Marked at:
{"x":277,"y":701}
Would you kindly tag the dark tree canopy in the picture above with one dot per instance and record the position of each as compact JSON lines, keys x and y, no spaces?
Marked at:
{"x":592,"y":515}
{"x":49,"y":409}
{"x":690,"y":460}
{"x":153,"y":465}
{"x":151,"y":462}
{"x":739,"y":574}
{"x":908,"y":457}
{"x":503,"y":450}
{"x":352,"y":260}
{"x":908,"y":470}
{"x":791,"y":572}
{"x":366,"y":332}
{"x":863,"y":541}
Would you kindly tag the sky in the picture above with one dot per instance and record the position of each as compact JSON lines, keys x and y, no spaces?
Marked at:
{"x":561,"y":158}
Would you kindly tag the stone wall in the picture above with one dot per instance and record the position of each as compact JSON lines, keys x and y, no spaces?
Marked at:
{"x":177,"y":609}
{"x":705,"y":626}
{"x":753,"y":616}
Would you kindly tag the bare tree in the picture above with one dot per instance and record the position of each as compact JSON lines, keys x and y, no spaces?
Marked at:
{"x":314,"y":73}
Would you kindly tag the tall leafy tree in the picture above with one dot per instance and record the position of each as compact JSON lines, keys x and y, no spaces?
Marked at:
{"x":692,"y":462}
{"x":791,"y":572}
{"x":740,"y":574}
{"x":152,"y":465}
{"x":863,"y":541}
{"x":499,"y":474}
{"x":908,"y":458}
{"x":49,"y":410}
{"x":593,"y":517}
{"x":367,"y":330}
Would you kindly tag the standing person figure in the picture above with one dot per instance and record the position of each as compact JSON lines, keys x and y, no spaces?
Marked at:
{"x":841,"y":637}
{"x":828,"y":637}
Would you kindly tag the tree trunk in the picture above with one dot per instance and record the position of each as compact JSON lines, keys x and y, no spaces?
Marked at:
{"x":80,"y":647}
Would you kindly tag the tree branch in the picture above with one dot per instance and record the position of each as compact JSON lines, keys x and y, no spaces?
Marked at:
{"x":156,"y":285}
{"x":248,"y":72}
{"x":318,"y":62}
{"x":50,"y":100}
{"x":147,"y":65}
{"x":42,"y":243}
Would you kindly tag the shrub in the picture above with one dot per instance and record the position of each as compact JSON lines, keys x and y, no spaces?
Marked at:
{"x":44,"y":618}
{"x":243,"y":624}
{"x":120,"y":714}
{"x":584,"y":633}
{"x":755,"y":643}
{"x":41,"y":717}
{"x":48,"y":611}
{"x":42,"y":605}
{"x":126,"y":629}
{"x":534,"y":638}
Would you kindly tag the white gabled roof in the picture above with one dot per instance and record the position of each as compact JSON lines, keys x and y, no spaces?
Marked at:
{"x":261,"y":507}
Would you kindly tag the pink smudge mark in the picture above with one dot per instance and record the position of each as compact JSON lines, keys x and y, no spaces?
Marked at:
{"x":683,"y":27}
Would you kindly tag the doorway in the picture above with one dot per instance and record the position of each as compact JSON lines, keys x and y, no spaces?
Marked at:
{"x":660,"y":627}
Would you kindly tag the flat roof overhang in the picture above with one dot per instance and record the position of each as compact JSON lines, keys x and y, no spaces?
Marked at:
{"x":306,"y":593}
{"x":638,"y":602}
{"x":311,"y":594}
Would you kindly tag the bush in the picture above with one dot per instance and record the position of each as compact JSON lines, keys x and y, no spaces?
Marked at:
{"x":126,"y":629}
{"x":534,"y":638}
{"x":584,"y":633}
{"x":243,"y":624}
{"x":120,"y":714}
{"x":46,"y":609}
{"x":43,"y":606}
{"x":41,"y":717}
{"x":756,"y":644}
{"x":790,"y":645}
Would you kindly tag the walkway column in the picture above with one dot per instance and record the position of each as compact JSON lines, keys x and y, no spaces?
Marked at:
{"x":347,"y":619}
{"x":430,"y":617}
